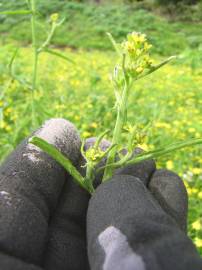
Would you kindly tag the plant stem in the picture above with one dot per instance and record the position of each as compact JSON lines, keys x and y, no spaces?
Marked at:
{"x":90,"y":177}
{"x":120,"y":120}
{"x":48,"y":40}
{"x":35,"y":56}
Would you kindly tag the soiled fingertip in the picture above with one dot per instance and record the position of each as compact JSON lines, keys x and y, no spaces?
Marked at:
{"x":62,"y":134}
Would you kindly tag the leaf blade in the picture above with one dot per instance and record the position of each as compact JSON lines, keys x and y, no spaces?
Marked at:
{"x":59,"y":55}
{"x":115,"y":45}
{"x":16,"y":12}
{"x":60,"y":158}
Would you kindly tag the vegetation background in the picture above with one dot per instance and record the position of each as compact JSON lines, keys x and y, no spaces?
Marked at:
{"x":171,"y":99}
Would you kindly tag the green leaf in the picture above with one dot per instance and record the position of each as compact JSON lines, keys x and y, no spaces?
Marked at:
{"x":156,"y":67}
{"x":115,"y":45}
{"x":99,"y":139}
{"x":155,"y":154}
{"x":10,"y":65}
{"x":16,"y":12}
{"x":59,"y":55}
{"x":164,"y":151}
{"x":61,"y":22}
{"x":59,"y":157}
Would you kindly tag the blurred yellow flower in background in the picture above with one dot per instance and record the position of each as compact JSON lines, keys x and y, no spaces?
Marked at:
{"x":197,"y":225}
{"x":198,"y":242}
{"x":169,"y":165}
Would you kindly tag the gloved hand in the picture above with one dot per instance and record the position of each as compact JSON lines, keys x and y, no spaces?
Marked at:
{"x":43,"y":213}
{"x":137,"y":221}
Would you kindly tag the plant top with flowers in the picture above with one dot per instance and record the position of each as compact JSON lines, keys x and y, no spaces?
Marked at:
{"x":134,"y":62}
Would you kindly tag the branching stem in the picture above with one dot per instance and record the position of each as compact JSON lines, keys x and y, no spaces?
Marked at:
{"x":120,"y":120}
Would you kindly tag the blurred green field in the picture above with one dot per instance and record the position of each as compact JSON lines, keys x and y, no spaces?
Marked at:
{"x":171,"y":98}
{"x":86,"y":25}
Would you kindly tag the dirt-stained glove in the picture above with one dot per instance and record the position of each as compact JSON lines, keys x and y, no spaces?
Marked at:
{"x":42,"y":211}
{"x":137,"y":221}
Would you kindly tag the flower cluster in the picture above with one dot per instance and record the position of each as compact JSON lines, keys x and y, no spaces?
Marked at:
{"x":93,"y":154}
{"x":136,"y":48}
{"x":136,"y":134}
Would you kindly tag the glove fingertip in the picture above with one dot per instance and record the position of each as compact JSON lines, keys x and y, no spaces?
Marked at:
{"x":170,"y":192}
{"x":62,"y":134}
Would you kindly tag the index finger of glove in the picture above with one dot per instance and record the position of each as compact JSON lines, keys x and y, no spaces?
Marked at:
{"x":30,"y":185}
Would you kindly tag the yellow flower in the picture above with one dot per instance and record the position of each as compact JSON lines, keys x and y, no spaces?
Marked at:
{"x":169,"y":165}
{"x":191,"y":191}
{"x":191,"y":130}
{"x":94,"y":125}
{"x":196,"y":171}
{"x":136,"y":44}
{"x":94,"y":154}
{"x":136,"y":37}
{"x":186,"y":184}
{"x":197,"y":225}
{"x":8,"y":128}
{"x":77,"y":117}
{"x":198,"y":242}
{"x":138,"y":52}
{"x":200,"y":195}
{"x":5,"y":126}
{"x":147,"y":46}
{"x":8,"y":111}
{"x":86,"y":134}
{"x":54,"y":17}
{"x":60,"y":106}
{"x":89,"y":106}
{"x":188,"y":190}
{"x":162,"y":125}
{"x":148,"y":60}
{"x":144,"y":146}
{"x":195,"y":190}
{"x":139,"y":69}
{"x":129,"y":47}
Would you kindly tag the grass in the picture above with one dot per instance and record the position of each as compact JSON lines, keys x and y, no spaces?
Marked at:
{"x":171,"y":99}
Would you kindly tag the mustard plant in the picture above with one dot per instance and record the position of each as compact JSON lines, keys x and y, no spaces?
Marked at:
{"x":133,"y":63}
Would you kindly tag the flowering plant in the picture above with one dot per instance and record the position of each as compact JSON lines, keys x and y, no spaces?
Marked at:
{"x":134,"y":63}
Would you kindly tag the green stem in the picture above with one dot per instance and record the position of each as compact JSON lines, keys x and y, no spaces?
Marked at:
{"x":90,"y":177}
{"x":117,"y":130}
{"x":120,"y":120}
{"x":35,"y":55}
{"x":48,"y":40}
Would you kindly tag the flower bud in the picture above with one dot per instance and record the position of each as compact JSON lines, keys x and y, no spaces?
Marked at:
{"x":54,"y":17}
